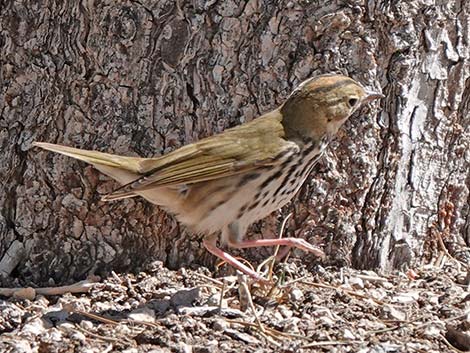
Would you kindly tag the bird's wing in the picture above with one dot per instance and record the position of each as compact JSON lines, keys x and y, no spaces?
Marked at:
{"x":245,"y":147}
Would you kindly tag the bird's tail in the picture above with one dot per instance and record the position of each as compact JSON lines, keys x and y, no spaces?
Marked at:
{"x":125,"y":170}
{"x":122,"y":169}
{"x":131,"y":164}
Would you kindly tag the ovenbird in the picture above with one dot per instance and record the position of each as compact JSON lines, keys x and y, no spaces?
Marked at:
{"x":226,"y":182}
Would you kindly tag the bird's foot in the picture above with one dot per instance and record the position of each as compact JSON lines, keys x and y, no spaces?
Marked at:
{"x":226,"y":257}
{"x":291,"y":242}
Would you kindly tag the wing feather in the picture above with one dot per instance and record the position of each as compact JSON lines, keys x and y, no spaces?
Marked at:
{"x":245,"y":147}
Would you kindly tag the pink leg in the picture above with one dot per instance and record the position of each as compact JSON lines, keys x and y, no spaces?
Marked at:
{"x":291,"y":242}
{"x":213,"y":249}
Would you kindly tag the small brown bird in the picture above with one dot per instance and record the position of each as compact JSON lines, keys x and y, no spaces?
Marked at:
{"x":226,"y":182}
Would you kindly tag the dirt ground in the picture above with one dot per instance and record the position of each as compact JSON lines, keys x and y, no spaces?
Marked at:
{"x":322,"y":310}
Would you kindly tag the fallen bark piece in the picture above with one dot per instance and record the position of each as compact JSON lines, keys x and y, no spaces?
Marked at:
{"x":12,"y":258}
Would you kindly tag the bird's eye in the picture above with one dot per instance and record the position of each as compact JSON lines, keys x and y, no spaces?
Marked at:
{"x":352,"y":102}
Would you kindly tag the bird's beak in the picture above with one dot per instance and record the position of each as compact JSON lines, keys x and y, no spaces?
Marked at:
{"x":371,"y":95}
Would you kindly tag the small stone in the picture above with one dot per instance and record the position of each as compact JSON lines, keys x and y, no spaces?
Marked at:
{"x":123,"y":330}
{"x":393,"y":314}
{"x":55,"y":335}
{"x":185,"y":348}
{"x":56,"y":316}
{"x":277,"y":316}
{"x":159,"y":306}
{"x":463,"y":278}
{"x":66,"y":326}
{"x":347,"y":334}
{"x":209,"y":311}
{"x":244,"y":337}
{"x":77,"y":335}
{"x":35,"y":327}
{"x":327,"y":321}
{"x":143,"y":314}
{"x":356,"y":283}
{"x":23,"y":346}
{"x":208,"y":347}
{"x":432,"y":331}
{"x":219,"y":325}
{"x":290,"y":325}
{"x":130,"y":350}
{"x":296,"y":295}
{"x":185,"y":297}
{"x":406,"y":298}
{"x":285,"y":312}
{"x":225,"y":347}
{"x":214,"y":300}
{"x":86,"y":324}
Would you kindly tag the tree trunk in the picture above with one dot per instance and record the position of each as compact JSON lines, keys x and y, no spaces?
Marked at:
{"x":143,"y":78}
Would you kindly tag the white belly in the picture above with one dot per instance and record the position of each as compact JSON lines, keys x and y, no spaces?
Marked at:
{"x":259,"y":197}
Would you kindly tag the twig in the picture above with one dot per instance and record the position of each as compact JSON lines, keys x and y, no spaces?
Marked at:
{"x":281,"y":233}
{"x":247,"y":295}
{"x":273,"y":332}
{"x":222,"y":290}
{"x":79,"y":287}
{"x":420,"y":326}
{"x":445,"y":252}
{"x":30,"y":293}
{"x":371,"y":278}
{"x":347,"y":291}
{"x":213,"y":280}
{"x":116,"y":277}
{"x":330,"y":343}
{"x":387,"y":329}
{"x":95,"y":317}
{"x":104,"y":338}
{"x":465,"y":314}
{"x":272,"y":259}
{"x":114,"y":322}
{"x":296,"y":280}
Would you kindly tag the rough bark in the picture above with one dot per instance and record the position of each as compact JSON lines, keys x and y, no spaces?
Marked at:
{"x":143,"y":78}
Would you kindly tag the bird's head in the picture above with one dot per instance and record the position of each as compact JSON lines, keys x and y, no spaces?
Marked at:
{"x":321,"y":105}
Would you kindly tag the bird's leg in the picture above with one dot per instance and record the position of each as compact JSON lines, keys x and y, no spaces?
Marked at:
{"x":235,"y":240}
{"x":210,"y":244}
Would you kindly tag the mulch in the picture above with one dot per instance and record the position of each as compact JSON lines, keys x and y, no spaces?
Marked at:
{"x":424,"y":309}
